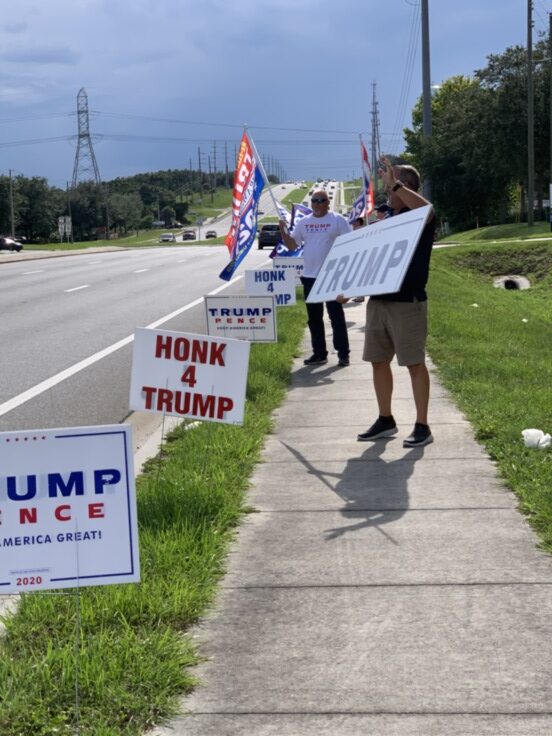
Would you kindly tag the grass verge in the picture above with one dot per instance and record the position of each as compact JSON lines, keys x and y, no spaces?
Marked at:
{"x":496,"y":358}
{"x":133,"y":655}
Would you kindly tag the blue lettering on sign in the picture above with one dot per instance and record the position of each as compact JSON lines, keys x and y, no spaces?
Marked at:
{"x":58,"y":485}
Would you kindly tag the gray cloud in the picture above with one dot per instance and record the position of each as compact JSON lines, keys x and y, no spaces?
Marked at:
{"x":66,"y":57}
{"x":16,"y":27}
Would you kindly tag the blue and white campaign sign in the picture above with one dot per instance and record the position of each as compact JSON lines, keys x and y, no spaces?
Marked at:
{"x":371,"y":260}
{"x":187,"y":375}
{"x":267,"y":282}
{"x":242,"y":317}
{"x":291,"y":264}
{"x":67,"y":508}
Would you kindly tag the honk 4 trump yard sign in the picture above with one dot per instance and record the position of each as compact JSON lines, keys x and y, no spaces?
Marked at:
{"x":67,"y":508}
{"x":188,"y":375}
{"x":372,"y":260}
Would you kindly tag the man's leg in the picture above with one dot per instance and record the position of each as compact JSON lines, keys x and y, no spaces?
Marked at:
{"x":339,"y":328}
{"x":419,"y":376}
{"x":383,"y":386}
{"x":315,"y":314}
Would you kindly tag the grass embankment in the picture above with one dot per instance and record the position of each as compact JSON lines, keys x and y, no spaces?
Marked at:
{"x":132,"y":652}
{"x":496,"y":358}
{"x":515,"y":231}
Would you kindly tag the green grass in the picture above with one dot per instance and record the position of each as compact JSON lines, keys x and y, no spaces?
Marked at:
{"x":134,"y":657}
{"x":497,"y":366}
{"x":517,"y":231}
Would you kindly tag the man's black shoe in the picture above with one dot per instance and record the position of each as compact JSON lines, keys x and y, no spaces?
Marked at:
{"x":315,"y":360}
{"x":343,"y":362}
{"x":421,"y":435}
{"x":382,"y":427}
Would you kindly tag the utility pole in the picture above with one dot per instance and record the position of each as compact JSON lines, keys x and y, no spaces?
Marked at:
{"x":426,"y":84}
{"x":530,"y":118}
{"x":214,"y":164}
{"x":550,"y":115}
{"x":226,"y":177}
{"x":69,"y":211}
{"x":12,"y":216}
{"x":375,"y":152}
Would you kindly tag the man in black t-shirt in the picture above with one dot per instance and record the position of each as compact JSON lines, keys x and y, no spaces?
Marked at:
{"x":396,"y":324}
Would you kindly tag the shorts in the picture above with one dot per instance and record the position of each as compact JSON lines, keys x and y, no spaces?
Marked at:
{"x":395,"y":328}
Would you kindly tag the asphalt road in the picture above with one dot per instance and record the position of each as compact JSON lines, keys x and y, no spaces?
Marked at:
{"x":67,"y":326}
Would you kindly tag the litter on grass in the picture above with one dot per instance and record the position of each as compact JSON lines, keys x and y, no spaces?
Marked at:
{"x":536,"y":438}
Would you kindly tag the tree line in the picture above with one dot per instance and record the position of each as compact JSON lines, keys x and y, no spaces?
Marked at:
{"x":476,"y":158}
{"x":119,"y":206}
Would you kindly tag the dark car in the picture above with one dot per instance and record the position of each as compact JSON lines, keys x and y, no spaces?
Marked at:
{"x":211,"y":234}
{"x":269,"y":236}
{"x":10,"y":244}
{"x":188,"y":235}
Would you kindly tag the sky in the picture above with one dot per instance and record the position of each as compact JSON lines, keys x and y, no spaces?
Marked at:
{"x":171,"y":82}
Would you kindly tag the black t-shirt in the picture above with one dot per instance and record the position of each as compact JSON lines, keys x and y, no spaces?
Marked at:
{"x":415,"y":280}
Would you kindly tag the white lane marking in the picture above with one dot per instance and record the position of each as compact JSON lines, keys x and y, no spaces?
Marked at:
{"x":141,"y":270}
{"x":91,"y":263}
{"x":27,"y":273}
{"x":49,"y":383}
{"x":77,"y":288}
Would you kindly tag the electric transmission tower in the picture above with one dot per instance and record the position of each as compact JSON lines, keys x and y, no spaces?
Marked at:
{"x":86,"y":166}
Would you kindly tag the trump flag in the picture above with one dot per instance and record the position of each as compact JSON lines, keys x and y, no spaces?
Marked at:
{"x":248,"y":184}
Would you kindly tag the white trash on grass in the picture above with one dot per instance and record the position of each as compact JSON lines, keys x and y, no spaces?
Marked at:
{"x":536,"y":438}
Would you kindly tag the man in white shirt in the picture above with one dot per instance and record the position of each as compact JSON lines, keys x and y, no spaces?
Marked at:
{"x":317,"y":233}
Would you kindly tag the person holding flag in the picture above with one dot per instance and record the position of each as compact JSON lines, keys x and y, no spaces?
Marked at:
{"x":316,"y":234}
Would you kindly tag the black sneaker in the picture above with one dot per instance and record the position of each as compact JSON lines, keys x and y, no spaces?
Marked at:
{"x":421,"y":435}
{"x":343,"y":362}
{"x":315,"y":360}
{"x":382,"y":427}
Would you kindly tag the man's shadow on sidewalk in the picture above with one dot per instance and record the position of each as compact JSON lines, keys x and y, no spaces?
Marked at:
{"x":375,"y":491}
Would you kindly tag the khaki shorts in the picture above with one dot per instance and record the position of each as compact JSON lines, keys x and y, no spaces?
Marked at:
{"x":395,"y":328}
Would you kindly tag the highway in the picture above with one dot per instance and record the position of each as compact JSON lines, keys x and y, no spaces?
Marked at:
{"x":67,"y":326}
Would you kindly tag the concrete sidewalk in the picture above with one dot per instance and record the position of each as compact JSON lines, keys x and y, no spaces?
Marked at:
{"x":378,"y":590}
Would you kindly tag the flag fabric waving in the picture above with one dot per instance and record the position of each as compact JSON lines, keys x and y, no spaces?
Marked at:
{"x":359,"y":208}
{"x":367,"y":179}
{"x":298,"y":211}
{"x":248,"y":184}
{"x":283,"y":213}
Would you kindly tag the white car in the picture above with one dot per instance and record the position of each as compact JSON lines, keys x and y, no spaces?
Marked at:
{"x":167,"y":238}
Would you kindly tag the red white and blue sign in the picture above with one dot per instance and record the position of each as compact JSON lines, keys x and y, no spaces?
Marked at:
{"x":67,"y":508}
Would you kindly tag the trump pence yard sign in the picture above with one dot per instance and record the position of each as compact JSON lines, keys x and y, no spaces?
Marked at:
{"x":67,"y":508}
{"x":372,"y":260}
{"x":242,"y":317}
{"x":187,"y":375}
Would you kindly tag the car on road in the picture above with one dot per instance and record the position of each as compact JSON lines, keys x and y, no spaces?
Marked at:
{"x":188,"y":235}
{"x":10,"y":244}
{"x":269,"y":236}
{"x":211,"y":234}
{"x":167,"y":238}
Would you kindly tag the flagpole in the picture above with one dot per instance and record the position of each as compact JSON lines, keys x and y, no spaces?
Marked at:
{"x":262,"y":168}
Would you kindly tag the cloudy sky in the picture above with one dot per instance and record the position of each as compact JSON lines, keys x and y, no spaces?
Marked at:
{"x":166,"y":77}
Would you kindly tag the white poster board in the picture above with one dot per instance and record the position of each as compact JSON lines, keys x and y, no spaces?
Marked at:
{"x":67,"y":508}
{"x":269,"y":282}
{"x":242,"y":317}
{"x":292,"y":263}
{"x":372,"y":260}
{"x":187,"y":375}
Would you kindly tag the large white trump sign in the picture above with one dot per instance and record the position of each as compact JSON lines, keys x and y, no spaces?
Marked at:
{"x":188,"y":375}
{"x":67,"y":508}
{"x":372,"y":260}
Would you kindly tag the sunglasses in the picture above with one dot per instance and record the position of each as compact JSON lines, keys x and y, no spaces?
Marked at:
{"x":318,"y":200}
